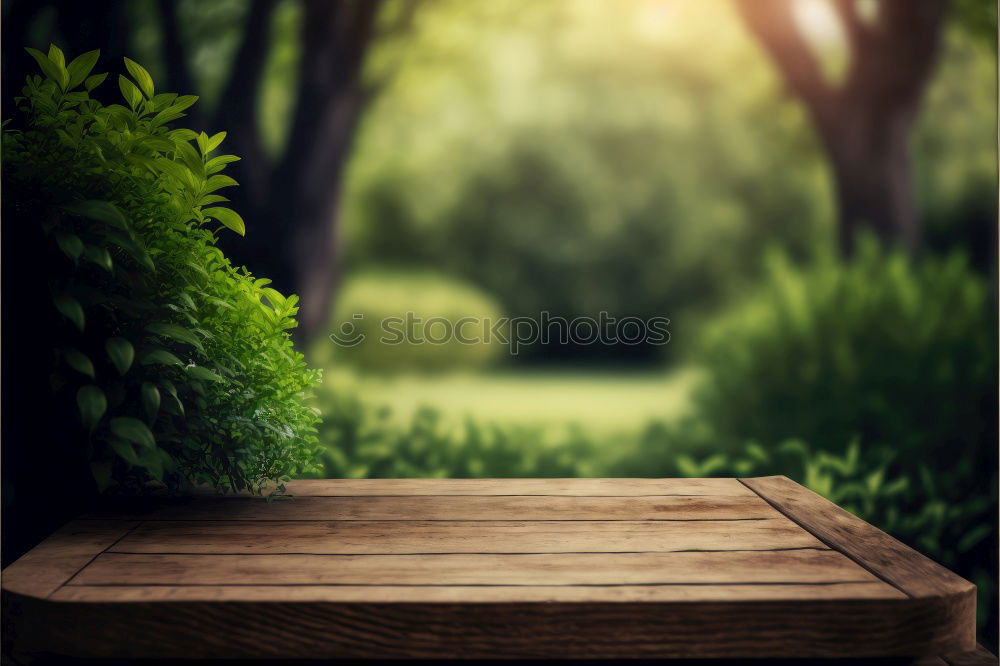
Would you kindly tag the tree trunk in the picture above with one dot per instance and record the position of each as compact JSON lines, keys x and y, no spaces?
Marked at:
{"x":296,"y":236}
{"x":870,"y":164}
{"x":864,"y":124}
{"x":314,"y":245}
{"x":292,"y":207}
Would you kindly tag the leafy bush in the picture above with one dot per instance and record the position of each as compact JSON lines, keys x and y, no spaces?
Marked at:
{"x":180,"y":365}
{"x":363,"y":441}
{"x":885,"y":349}
{"x":437,"y":305}
{"x":894,"y":353}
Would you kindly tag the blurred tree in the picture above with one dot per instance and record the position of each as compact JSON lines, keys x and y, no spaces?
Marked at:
{"x":864,"y":122}
{"x":293,"y":199}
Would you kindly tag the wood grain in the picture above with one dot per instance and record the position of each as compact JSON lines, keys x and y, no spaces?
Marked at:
{"x":580,"y":630}
{"x":393,"y":537}
{"x":57,"y":559}
{"x":792,"y":566}
{"x":452,"y":508}
{"x":893,"y":561}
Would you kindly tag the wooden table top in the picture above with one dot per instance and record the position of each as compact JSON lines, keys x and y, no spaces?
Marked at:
{"x":430,"y":568}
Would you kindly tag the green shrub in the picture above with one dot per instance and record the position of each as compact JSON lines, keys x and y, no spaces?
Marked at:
{"x":435,"y":305}
{"x":891,"y":351}
{"x":180,"y":365}
{"x":894,"y":353}
{"x":363,"y":441}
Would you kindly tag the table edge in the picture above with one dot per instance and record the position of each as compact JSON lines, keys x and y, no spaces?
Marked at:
{"x":892,"y":561}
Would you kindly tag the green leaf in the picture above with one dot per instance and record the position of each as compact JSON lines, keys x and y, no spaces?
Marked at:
{"x":124,"y":451}
{"x":202,"y":140}
{"x":191,"y":158}
{"x":49,"y":68}
{"x":80,"y":67}
{"x":274,"y":297}
{"x":102,"y":211}
{"x":141,"y":77}
{"x":163,"y":100}
{"x":217,"y":163}
{"x":92,"y":404}
{"x":218,"y":182}
{"x":94,"y":81}
{"x":153,"y":463}
{"x":175,"y":170}
{"x":79,"y":362}
{"x":134,"y":250}
{"x":70,"y":308}
{"x":214,"y":142}
{"x":161,"y":356}
{"x":129,"y":91}
{"x":102,"y":475}
{"x":165,"y":116}
{"x":182,"y":135}
{"x":99,"y":256}
{"x":229,"y":218}
{"x":121,"y":353}
{"x":133,"y":430}
{"x":70,"y":244}
{"x":150,"y":400}
{"x":171,"y":390}
{"x":56,"y":56}
{"x":211,"y":199}
{"x":176,"y":332}
{"x":205,"y":374}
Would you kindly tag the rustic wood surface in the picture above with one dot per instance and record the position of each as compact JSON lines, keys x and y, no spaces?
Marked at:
{"x":525,"y":568}
{"x":452,"y":508}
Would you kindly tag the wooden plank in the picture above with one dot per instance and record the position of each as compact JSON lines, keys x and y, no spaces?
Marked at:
{"x":952,"y":597}
{"x":891,"y":560}
{"x":791,"y":566}
{"x":362,"y":537}
{"x":572,"y":487}
{"x":57,"y":559}
{"x":452,"y":508}
{"x":177,"y":629}
{"x":476,"y":595}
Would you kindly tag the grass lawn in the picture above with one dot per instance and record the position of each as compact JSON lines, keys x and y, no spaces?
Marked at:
{"x":601,"y":402}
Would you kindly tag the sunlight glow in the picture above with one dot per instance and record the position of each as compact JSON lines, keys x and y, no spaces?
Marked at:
{"x":819,"y":22}
{"x":654,"y":18}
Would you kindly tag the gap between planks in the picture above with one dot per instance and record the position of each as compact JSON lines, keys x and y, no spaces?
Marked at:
{"x":476,"y":595}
